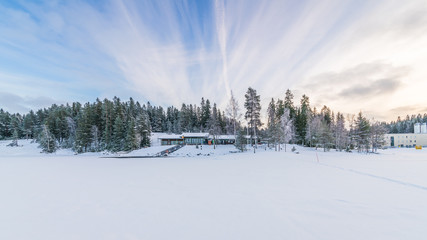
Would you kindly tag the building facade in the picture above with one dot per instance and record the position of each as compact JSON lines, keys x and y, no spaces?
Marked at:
{"x":196,"y":139}
{"x":418,"y":138}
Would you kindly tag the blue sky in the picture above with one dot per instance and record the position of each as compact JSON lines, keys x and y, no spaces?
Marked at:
{"x":349,"y":55}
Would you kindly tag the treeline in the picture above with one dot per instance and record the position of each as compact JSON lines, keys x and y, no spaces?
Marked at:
{"x":109,"y":125}
{"x":406,"y":125}
{"x":115,"y":126}
{"x":308,"y":126}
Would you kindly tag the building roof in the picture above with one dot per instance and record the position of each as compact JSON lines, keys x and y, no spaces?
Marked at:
{"x":171,"y":136}
{"x":196,"y":135}
{"x":225,"y":137}
{"x":249,"y":136}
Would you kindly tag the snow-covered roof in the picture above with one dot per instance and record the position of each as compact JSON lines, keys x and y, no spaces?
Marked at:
{"x":225,"y":137}
{"x":201,"y":135}
{"x":249,"y":136}
{"x":170,"y":136}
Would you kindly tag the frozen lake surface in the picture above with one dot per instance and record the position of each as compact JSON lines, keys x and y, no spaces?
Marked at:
{"x":267,"y":195}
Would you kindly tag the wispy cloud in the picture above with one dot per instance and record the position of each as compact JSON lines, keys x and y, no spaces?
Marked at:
{"x":222,"y":39}
{"x":25,"y":104}
{"x":169,"y":52}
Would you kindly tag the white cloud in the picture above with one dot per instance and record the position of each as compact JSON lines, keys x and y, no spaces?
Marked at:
{"x":164,"y":52}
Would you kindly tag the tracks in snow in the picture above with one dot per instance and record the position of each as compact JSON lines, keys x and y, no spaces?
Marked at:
{"x":377,"y":177}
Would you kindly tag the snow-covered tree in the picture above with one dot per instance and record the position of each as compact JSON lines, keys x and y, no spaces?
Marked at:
{"x":143,"y":129}
{"x":273,"y":127}
{"x":131,"y":142}
{"x":46,"y":140}
{"x":118,"y":135}
{"x":362,"y":133}
{"x":289,"y":104}
{"x":233,"y":112}
{"x":95,"y":138}
{"x":314,"y":130}
{"x":302,"y":119}
{"x":252,"y":115}
{"x":287,"y":127}
{"x":340,"y":132}
{"x":15,"y":138}
{"x":378,"y":130}
{"x":240,"y":140}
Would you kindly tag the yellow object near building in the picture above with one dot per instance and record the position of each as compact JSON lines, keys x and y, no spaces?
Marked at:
{"x":419,"y":147}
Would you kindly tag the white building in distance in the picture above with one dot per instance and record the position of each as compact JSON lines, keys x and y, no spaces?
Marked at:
{"x":418,"y":138}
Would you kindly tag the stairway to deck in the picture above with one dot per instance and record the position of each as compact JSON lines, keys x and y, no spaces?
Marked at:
{"x":169,"y":150}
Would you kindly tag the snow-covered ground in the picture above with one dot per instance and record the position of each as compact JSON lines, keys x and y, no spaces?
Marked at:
{"x":203,"y":151}
{"x":267,"y":195}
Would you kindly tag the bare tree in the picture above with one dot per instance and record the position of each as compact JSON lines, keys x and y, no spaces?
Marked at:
{"x":314,"y":130}
{"x":287,"y":127}
{"x":378,"y":131}
{"x":233,"y":112}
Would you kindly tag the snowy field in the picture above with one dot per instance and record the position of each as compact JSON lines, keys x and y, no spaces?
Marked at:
{"x":190,"y":195}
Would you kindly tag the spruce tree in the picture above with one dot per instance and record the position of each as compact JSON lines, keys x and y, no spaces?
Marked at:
{"x":15,"y":138}
{"x":273,"y":125}
{"x":362,"y":132}
{"x":118,"y":135}
{"x":83,"y":131}
{"x":252,"y":115}
{"x":340,"y":132}
{"x":302,"y":118}
{"x":289,"y":104}
{"x":240,"y":142}
{"x":131,"y":141}
{"x":143,"y":129}
{"x":205,"y":114}
{"x":46,"y":140}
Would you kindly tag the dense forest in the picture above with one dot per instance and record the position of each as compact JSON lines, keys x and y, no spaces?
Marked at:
{"x":115,"y":125}
{"x":109,"y":125}
{"x":406,"y":125}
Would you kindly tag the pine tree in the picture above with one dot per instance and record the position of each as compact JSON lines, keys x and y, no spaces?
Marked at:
{"x":83,"y":132}
{"x":213,"y":125}
{"x":95,"y":146}
{"x":289,"y":104}
{"x":340,"y":132}
{"x":252,"y":115}
{"x":273,"y":125}
{"x":131,"y":141}
{"x":362,"y":132}
{"x":143,"y":129}
{"x":118,"y":135}
{"x":28,"y":125}
{"x":107,"y":118}
{"x":205,"y":114}
{"x":46,"y":140}
{"x":302,"y":118}
{"x":15,"y":138}
{"x":71,"y":126}
{"x":240,"y":140}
